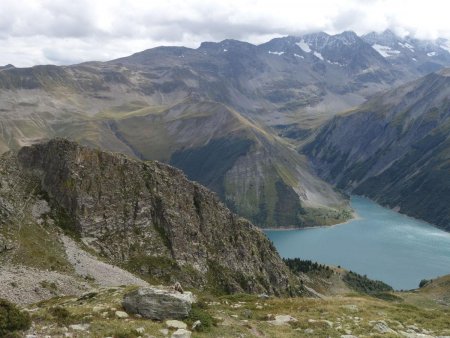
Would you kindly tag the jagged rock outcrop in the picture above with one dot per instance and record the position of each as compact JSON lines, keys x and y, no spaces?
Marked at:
{"x":148,"y":217}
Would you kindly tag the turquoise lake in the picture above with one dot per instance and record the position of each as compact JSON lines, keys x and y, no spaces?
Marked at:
{"x":380,"y":243}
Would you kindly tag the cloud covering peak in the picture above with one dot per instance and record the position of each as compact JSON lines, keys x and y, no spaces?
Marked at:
{"x":67,"y":31}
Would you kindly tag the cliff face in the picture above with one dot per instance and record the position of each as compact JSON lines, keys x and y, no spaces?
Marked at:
{"x":394,"y":149}
{"x":148,"y":217}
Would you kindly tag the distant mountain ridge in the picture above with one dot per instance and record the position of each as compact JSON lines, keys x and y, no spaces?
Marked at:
{"x":425,"y":56}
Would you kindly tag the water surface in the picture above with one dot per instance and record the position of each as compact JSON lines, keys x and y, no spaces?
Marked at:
{"x":380,"y":243}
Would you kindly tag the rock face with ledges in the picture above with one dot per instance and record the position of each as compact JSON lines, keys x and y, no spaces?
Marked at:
{"x":147,"y":216}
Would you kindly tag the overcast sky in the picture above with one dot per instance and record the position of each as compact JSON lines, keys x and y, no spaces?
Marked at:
{"x":71,"y":31}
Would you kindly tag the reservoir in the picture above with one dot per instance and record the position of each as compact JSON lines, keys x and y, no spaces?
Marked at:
{"x":379,"y":243}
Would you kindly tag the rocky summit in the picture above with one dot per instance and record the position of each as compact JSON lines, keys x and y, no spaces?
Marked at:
{"x":144,"y":216}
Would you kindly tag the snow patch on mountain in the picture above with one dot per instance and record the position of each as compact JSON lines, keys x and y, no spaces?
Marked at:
{"x":304,"y":46}
{"x":276,"y":53}
{"x":406,"y":45}
{"x":446,"y":46}
{"x":385,"y":51}
{"x":317,"y":54}
{"x":335,"y":63}
{"x":431,"y":54}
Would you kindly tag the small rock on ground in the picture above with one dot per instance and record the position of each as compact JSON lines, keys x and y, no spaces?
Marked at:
{"x":140,"y":330}
{"x":282,"y":320}
{"x":164,"y":332}
{"x":175,"y":324}
{"x":181,"y":333}
{"x":197,"y":324}
{"x":415,"y":335}
{"x":121,"y":314}
{"x":79,"y":327}
{"x":382,"y":327}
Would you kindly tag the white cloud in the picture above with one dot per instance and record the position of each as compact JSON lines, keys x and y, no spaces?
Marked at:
{"x":70,"y":31}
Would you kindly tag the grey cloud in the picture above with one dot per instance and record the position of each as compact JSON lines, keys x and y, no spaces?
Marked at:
{"x":68,"y":31}
{"x":348,"y":19}
{"x":59,"y":18}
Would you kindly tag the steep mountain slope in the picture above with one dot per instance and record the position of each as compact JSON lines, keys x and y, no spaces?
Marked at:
{"x":259,"y":175}
{"x":144,"y":216}
{"x":394,"y":149}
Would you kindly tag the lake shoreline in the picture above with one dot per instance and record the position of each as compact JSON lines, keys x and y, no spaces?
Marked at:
{"x":383,"y":244}
{"x":398,"y":210}
{"x":355,"y":217}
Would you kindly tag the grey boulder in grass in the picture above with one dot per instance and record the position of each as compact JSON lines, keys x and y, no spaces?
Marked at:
{"x":159,"y":304}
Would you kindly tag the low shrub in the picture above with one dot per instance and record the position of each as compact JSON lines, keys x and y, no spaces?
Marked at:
{"x":199,"y":313}
{"x":424,"y":282}
{"x":12,"y":319}
{"x":61,"y":315}
{"x":363,"y":284}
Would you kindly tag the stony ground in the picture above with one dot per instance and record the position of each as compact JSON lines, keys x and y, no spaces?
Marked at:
{"x":93,"y":308}
{"x":91,"y":267}
{"x":25,"y":285}
{"x":96,"y":315}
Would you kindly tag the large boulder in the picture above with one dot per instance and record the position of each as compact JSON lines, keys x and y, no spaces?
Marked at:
{"x":158,"y":304}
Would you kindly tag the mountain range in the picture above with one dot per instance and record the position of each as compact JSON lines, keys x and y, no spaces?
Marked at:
{"x":234,"y":116}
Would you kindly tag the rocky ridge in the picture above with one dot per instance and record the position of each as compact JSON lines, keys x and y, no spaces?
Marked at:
{"x":144,"y":216}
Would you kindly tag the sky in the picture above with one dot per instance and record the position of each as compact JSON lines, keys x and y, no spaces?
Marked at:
{"x":72,"y":31}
